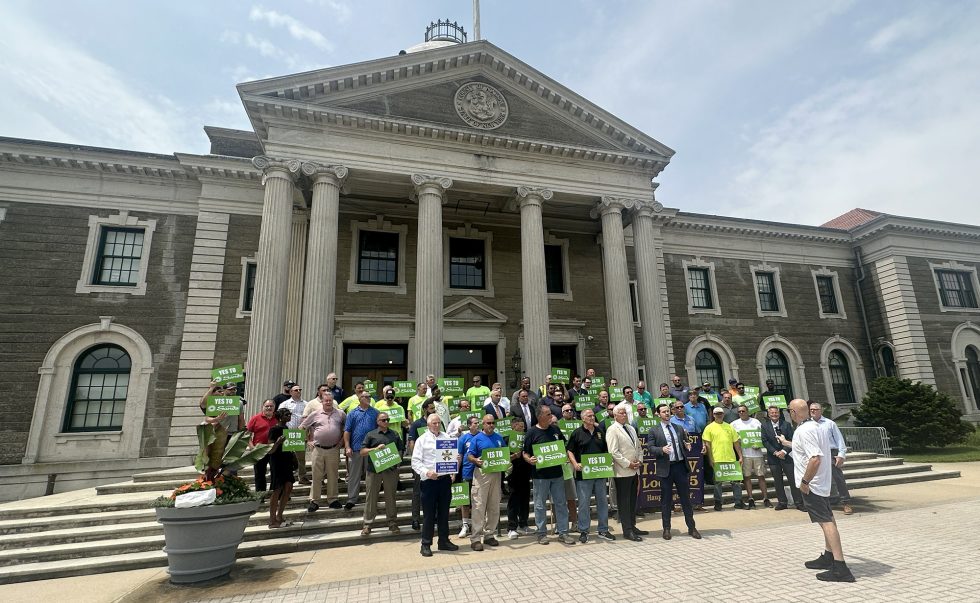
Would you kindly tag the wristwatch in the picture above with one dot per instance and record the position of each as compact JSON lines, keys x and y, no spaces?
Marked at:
{"x":803,"y":481}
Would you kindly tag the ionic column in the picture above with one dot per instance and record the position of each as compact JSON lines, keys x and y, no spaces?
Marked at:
{"x":622,"y":343}
{"x":268,"y":325}
{"x":430,"y":191}
{"x":534,"y":291}
{"x":648,"y":289}
{"x":320,"y":285}
{"x":294,"y":297}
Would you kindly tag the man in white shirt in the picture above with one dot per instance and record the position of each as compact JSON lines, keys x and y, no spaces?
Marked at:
{"x":436,"y":487}
{"x":296,"y":405}
{"x":753,"y":459}
{"x":456,"y":425}
{"x":838,"y":450}
{"x":811,"y":459}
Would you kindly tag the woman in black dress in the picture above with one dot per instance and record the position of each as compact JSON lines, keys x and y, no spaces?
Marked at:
{"x":282,"y":464}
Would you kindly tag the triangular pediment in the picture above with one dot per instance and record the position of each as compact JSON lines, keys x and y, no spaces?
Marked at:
{"x":514,"y":105}
{"x":469,"y":309}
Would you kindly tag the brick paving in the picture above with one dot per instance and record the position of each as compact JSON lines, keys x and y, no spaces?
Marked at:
{"x":909,"y":555}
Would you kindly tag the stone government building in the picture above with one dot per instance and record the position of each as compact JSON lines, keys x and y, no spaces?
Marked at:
{"x":449,"y":210}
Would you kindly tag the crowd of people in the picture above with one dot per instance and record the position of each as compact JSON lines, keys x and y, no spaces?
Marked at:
{"x":545,"y":445}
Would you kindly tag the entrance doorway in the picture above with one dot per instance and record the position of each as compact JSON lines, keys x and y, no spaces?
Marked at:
{"x":563,"y":356}
{"x":382,"y":364}
{"x":468,"y":361}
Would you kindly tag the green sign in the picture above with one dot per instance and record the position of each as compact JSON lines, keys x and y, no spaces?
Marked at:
{"x":549,"y":454}
{"x":371,"y":387}
{"x":385,"y":458}
{"x":751,"y":390}
{"x":295,"y":440}
{"x":225,"y":374}
{"x":227,"y":404}
{"x":712,"y":398}
{"x":598,"y":381}
{"x":495,"y":460}
{"x":608,"y":421}
{"x":779,"y":401}
{"x":452,"y":386}
{"x":461,"y":495}
{"x":504,"y":426}
{"x":561,"y":375}
{"x":420,"y":431}
{"x":516,"y":441}
{"x":396,"y":414}
{"x":567,"y":426}
{"x":644,"y":425}
{"x":750,"y":402}
{"x":584,"y":401}
{"x":616,"y":394}
{"x":404,"y":389}
{"x":751,"y":438}
{"x":464,"y":416}
{"x":597,"y":466}
{"x":668,"y":401}
{"x":566,"y":471}
{"x":728,"y":472}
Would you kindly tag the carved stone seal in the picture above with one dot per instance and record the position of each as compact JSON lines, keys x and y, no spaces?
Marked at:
{"x":481,"y":105}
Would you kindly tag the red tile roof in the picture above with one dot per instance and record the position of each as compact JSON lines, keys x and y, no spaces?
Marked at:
{"x":852,"y":219}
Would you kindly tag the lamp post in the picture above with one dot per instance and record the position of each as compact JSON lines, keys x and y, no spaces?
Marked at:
{"x":515,"y":365}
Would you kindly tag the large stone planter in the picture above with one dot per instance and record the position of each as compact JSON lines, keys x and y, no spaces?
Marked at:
{"x":201,"y":542}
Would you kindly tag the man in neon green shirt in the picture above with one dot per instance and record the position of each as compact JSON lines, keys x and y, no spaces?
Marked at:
{"x":721,"y":443}
{"x":478,"y":393}
{"x":415,"y":402}
{"x":352,"y":400}
{"x":386,"y":403}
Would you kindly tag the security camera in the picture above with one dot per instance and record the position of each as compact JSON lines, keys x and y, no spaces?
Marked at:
{"x":590,"y":338}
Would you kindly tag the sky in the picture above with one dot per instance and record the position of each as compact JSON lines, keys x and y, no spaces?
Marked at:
{"x":785,"y":111}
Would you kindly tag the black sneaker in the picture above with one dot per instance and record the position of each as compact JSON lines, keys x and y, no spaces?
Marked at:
{"x":740,"y":505}
{"x":752,"y":503}
{"x":605,"y":536}
{"x":448,"y":546}
{"x":565,"y":539}
{"x":313,"y":507}
{"x":717,"y":505}
{"x":824,"y":561}
{"x":335,"y":504}
{"x":838,"y":573}
{"x":490,"y":541}
{"x":583,"y":537}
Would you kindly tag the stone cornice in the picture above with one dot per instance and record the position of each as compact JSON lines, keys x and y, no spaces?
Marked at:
{"x":912,"y":226}
{"x":219,"y":167}
{"x":37,"y":154}
{"x":748,"y":228}
{"x":360,"y":78}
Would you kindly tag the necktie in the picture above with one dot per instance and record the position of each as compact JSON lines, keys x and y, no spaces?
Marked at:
{"x":673,"y":442}
{"x":497,"y":409}
{"x":527,"y":415}
{"x":629,"y":432}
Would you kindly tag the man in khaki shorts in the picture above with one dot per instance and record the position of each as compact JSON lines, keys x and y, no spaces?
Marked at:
{"x":753,"y":456}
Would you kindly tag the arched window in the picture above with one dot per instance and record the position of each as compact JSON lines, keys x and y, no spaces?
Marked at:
{"x":888,"y":362}
{"x":100,"y":384}
{"x":777,"y":369}
{"x":973,"y":371}
{"x":707,"y":367}
{"x":840,"y":378}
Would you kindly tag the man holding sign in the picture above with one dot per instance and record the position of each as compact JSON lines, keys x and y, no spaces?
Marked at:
{"x":381,"y":447}
{"x":544,"y":450}
{"x":432,"y":450}
{"x":750,"y":436}
{"x":490,"y":457}
{"x":589,"y":442}
{"x":722,"y":449}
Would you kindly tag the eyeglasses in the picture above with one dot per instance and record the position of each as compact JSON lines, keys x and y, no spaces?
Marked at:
{"x":566,"y":410}
{"x":677,"y":408}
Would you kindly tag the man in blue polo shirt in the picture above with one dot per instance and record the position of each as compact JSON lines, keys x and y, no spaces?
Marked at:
{"x":485,"y":494}
{"x":697,"y":409}
{"x":360,"y":420}
{"x":464,"y":442}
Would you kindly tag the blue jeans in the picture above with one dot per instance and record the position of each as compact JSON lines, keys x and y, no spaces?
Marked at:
{"x":555,"y":488}
{"x":736,"y":491}
{"x":585,"y":488}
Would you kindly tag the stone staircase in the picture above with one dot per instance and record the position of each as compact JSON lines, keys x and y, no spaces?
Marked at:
{"x":113,"y":528}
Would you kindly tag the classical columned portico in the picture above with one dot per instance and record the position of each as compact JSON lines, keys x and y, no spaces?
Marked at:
{"x":622,"y":342}
{"x":268,"y":325}
{"x":320,"y":284}
{"x":430,"y":191}
{"x":648,"y":288}
{"x":534,"y":292}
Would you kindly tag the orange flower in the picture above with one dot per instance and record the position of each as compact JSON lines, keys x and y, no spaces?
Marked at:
{"x":219,"y":491}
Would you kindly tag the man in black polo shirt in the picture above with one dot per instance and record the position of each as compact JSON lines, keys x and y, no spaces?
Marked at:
{"x":548,"y":482}
{"x":589,"y":439}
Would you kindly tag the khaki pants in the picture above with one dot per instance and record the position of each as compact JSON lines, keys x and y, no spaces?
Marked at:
{"x":389,"y":479}
{"x":326,"y":463}
{"x":485,"y":499}
{"x":301,"y":464}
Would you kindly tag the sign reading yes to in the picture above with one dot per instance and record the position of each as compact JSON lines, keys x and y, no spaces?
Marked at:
{"x":751,"y":438}
{"x":584,"y":401}
{"x":404,"y":389}
{"x":779,"y":401}
{"x":370,"y":387}
{"x":295,"y":440}
{"x":452,"y":386}
{"x":597,"y":466}
{"x":447,"y":457}
{"x":615,"y":394}
{"x":396,"y":414}
{"x":567,"y":426}
{"x":550,"y":454}
{"x":227,"y":404}
{"x":495,"y":460}
{"x":385,"y":458}
{"x":460,"y":495}
{"x":728,"y":472}
{"x":224,"y":374}
{"x":516,"y":441}
{"x":561,"y":375}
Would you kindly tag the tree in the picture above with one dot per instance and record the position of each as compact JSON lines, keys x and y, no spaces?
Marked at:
{"x":914,"y":414}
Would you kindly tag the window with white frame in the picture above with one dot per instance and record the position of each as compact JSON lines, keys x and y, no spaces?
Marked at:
{"x":247,"y":290}
{"x":957,"y":286}
{"x":557,"y":275}
{"x":377,"y":256}
{"x":117,"y":255}
{"x":468,"y":262}
{"x":827,"y":286}
{"x":768,"y":291}
{"x":840,"y":378}
{"x":701,"y":287}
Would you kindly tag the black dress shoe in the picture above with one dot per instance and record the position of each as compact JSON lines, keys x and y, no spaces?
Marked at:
{"x":800,"y":507}
{"x":667,"y":534}
{"x":639,"y":532}
{"x":416,"y":526}
{"x":426,"y":550}
{"x":634,"y":537}
{"x":781,"y":507}
{"x":448,"y":546}
{"x":490,"y":541}
{"x":693,"y":532}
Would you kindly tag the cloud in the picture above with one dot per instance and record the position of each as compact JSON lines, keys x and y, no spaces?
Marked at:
{"x":901,"y":30}
{"x":296,"y":29}
{"x":59,"y":91}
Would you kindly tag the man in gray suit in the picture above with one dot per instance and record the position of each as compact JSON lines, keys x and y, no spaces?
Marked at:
{"x":779,"y":458}
{"x":668,"y":444}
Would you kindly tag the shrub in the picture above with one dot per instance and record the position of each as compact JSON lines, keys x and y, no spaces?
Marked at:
{"x":914,"y":414}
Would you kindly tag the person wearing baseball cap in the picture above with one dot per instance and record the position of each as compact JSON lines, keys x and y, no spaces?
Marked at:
{"x":284,"y":395}
{"x":722,"y":445}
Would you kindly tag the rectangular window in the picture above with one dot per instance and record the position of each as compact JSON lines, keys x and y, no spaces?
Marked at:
{"x":828,"y":297}
{"x":634,"y":304}
{"x":554,"y":269}
{"x":120,"y":250}
{"x":956,"y":289}
{"x":378,"y":258}
{"x":765,"y":282}
{"x":700,"y":287}
{"x":466,"y":263}
{"x":248,"y":287}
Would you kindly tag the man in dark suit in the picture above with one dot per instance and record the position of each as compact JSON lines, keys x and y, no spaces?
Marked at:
{"x":493,"y":407}
{"x":523,"y":406}
{"x":669,"y":446}
{"x":778,"y":456}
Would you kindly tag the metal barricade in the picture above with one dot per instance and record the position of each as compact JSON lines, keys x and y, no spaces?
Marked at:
{"x":867,"y":439}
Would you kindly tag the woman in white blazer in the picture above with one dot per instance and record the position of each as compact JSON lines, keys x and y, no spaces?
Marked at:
{"x":627,"y":454}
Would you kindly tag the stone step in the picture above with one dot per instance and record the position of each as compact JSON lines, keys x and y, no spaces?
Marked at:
{"x":59,"y":560}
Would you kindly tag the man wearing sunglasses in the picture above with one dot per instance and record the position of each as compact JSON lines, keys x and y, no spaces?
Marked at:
{"x":376,"y":440}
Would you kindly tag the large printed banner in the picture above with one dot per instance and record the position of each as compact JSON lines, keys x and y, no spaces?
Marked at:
{"x":649,"y":496}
